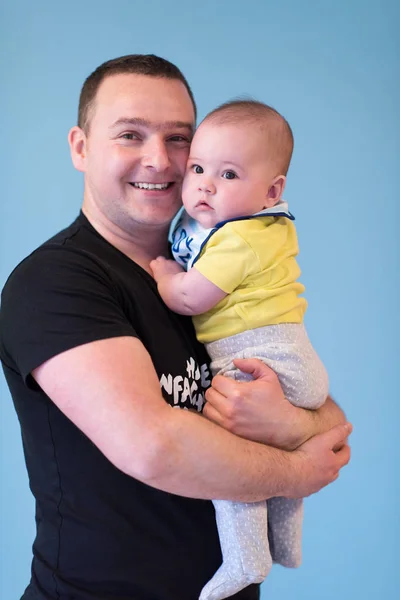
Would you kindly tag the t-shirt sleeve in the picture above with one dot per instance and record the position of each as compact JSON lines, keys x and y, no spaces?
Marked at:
{"x":227,"y":260}
{"x":55,"y":300}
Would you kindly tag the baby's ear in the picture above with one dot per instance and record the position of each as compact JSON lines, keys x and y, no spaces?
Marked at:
{"x":275,"y":191}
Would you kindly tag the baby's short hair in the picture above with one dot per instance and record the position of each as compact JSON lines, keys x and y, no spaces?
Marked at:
{"x":278,"y":133}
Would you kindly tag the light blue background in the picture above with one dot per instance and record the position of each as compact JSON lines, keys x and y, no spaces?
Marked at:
{"x":332,"y":68}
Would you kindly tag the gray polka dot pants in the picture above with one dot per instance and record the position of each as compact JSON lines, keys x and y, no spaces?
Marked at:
{"x":254,"y":535}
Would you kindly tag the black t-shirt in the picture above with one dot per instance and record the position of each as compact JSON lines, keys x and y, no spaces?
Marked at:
{"x":101,"y":534}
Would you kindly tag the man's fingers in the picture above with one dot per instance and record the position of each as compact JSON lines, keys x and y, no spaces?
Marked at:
{"x":336,"y":436}
{"x":343,"y":455}
{"x":340,"y":445}
{"x":212,"y":414}
{"x":220,"y":410}
{"x":215,"y":399}
{"x":223,"y":385}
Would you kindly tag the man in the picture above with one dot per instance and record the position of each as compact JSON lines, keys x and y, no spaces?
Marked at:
{"x":86,"y":345}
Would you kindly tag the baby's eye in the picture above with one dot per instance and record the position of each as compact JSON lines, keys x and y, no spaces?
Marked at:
{"x":229,"y":175}
{"x":197,"y":169}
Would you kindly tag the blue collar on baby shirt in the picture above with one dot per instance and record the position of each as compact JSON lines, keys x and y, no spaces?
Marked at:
{"x":188,"y":237}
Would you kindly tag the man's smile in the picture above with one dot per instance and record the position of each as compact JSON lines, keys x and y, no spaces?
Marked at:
{"x":151,"y":186}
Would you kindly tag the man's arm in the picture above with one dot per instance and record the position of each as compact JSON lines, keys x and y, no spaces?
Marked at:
{"x":110,"y":390}
{"x":258,"y":410}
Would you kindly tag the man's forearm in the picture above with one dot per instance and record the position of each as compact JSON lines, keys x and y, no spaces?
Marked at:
{"x":202,"y":460}
{"x":199,"y":459}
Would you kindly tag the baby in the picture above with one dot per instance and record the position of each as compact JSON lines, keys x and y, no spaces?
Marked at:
{"x":236,"y":244}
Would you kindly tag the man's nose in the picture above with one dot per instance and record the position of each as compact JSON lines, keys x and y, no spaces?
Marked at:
{"x":155,"y":155}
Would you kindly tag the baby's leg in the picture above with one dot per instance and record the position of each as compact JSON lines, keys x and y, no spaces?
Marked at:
{"x":288,"y":351}
{"x":285,"y":521}
{"x":305,"y":384}
{"x":243,"y":535}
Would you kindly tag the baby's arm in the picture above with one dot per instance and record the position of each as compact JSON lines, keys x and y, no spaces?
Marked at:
{"x":187,"y":293}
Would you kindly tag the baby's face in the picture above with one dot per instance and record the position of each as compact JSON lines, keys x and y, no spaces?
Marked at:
{"x":228,"y":174}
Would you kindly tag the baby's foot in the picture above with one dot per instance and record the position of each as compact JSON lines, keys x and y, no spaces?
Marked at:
{"x":225,"y":584}
{"x":243,"y":534}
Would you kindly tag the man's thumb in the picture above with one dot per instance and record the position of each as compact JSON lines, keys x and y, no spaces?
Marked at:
{"x":254,"y":367}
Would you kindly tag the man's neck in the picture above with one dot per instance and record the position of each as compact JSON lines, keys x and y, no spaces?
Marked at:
{"x":141,"y":244}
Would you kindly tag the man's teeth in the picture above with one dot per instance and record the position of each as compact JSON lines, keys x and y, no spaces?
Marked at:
{"x":151,"y":186}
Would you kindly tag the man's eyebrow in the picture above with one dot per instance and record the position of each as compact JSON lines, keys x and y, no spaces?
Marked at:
{"x":139,"y":122}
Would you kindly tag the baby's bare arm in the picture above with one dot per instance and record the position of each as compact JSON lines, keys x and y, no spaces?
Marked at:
{"x":187,"y":293}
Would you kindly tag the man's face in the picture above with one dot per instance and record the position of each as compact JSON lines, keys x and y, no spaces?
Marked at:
{"x":136,"y":149}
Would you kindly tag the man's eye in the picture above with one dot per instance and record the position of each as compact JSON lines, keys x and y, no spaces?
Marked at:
{"x":130,"y":136}
{"x":229,"y":175}
{"x":179,"y":138}
{"x":197,"y":169}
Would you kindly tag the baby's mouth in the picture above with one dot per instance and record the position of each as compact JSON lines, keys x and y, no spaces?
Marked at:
{"x":203,"y":204}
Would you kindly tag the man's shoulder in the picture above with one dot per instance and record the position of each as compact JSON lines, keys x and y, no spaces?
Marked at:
{"x":66,"y":233}
{"x":69,"y":253}
{"x":79,"y":237}
{"x":59,"y":239}
{"x":75,"y":239}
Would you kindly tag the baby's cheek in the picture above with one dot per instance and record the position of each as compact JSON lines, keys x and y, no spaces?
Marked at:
{"x":187,"y":188}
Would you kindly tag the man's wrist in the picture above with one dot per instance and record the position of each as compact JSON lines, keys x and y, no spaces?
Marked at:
{"x":291,"y":474}
{"x":304,"y":427}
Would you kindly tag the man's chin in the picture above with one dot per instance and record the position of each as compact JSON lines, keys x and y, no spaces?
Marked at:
{"x":158,"y":218}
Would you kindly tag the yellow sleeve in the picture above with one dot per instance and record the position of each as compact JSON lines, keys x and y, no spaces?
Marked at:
{"x":227,"y":260}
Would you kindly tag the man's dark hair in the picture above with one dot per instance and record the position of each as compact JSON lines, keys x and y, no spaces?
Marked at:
{"x":278,"y":134}
{"x":135,"y":64}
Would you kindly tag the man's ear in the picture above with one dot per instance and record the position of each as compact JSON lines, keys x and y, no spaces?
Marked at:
{"x":275,"y":191}
{"x":77,"y":143}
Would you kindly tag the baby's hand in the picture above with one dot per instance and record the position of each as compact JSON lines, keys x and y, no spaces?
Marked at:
{"x":162,"y":266}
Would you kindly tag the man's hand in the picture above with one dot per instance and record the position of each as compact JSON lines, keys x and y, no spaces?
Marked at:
{"x":319,"y":462}
{"x":258,"y":410}
{"x":162,"y":266}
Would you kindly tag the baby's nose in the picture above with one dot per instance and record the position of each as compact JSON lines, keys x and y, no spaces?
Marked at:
{"x":206,"y":185}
